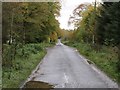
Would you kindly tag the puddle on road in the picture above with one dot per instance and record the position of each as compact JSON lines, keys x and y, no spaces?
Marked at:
{"x":38,"y":84}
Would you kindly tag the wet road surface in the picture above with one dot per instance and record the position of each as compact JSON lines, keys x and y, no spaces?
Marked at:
{"x":64,"y":67}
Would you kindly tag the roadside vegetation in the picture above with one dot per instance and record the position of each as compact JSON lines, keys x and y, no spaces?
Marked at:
{"x":97,"y":35}
{"x":28,"y":28}
{"x":16,"y":71}
{"x":106,"y":59}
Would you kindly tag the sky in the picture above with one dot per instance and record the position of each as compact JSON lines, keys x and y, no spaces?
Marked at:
{"x":66,"y":10}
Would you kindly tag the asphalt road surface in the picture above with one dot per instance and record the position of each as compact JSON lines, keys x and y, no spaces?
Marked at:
{"x":64,"y":67}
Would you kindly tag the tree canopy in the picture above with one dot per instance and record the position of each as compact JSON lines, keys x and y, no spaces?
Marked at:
{"x":27,"y":22}
{"x":97,"y":24}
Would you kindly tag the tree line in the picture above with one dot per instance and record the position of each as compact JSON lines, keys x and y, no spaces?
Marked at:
{"x":97,"y":24}
{"x":27,"y":22}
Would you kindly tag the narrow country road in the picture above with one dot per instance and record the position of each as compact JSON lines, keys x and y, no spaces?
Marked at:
{"x":63,"y":67}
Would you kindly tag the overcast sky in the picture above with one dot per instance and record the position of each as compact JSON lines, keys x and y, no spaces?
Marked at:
{"x":66,"y":10}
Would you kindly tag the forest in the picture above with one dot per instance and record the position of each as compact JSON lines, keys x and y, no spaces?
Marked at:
{"x":27,"y":29}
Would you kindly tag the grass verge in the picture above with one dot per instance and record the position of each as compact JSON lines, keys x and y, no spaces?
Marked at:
{"x":22,"y":66}
{"x":106,"y":59}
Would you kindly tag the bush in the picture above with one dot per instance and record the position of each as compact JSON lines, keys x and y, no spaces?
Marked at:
{"x":7,"y":55}
{"x":22,"y":65}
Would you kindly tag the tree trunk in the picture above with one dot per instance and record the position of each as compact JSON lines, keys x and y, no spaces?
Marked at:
{"x":10,"y":39}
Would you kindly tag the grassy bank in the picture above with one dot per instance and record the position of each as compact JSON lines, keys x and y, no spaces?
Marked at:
{"x":106,"y":59}
{"x":15,"y":72}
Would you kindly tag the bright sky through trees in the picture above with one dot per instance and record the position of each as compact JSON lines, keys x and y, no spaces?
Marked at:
{"x":66,"y":10}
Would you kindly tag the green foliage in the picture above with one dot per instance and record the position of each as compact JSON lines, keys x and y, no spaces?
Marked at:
{"x":28,"y":49}
{"x":21,"y":52}
{"x":103,"y":23}
{"x":21,"y":67}
{"x":22,"y":70}
{"x":98,"y":25}
{"x":105,"y":59}
{"x":109,"y":33}
{"x":26,"y":26}
{"x":27,"y":22}
{"x":110,"y":17}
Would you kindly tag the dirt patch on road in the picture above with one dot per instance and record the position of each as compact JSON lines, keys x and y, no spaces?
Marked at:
{"x":38,"y":84}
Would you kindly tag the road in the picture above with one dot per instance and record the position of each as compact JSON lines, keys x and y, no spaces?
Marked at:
{"x":64,"y":67}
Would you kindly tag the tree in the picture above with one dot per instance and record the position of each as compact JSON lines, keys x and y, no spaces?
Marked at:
{"x":27,"y":22}
{"x":107,"y":27}
{"x":24,"y":23}
{"x":84,"y":18}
